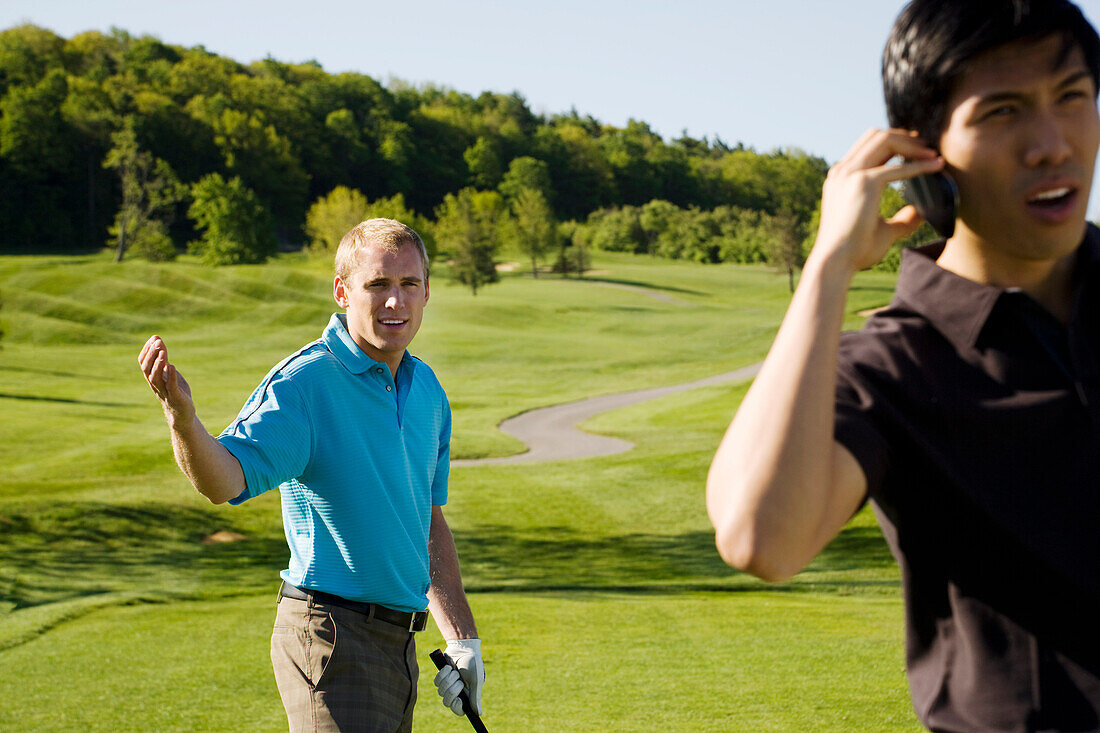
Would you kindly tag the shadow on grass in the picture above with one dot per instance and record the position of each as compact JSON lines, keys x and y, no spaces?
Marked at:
{"x":498,"y":557}
{"x":61,"y":551}
{"x":638,"y":284}
{"x":856,"y":548}
{"x":62,"y":400}
{"x":47,"y":372}
{"x":54,"y":552}
{"x":872,"y":288}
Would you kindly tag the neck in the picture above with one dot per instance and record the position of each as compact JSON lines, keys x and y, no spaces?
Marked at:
{"x":1048,"y":281}
{"x":392,"y":364}
{"x":383,"y":357}
{"x":388,"y":359}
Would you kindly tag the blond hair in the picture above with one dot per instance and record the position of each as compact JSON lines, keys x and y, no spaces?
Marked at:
{"x":386,"y":234}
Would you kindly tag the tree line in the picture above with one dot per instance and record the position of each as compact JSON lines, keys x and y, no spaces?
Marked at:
{"x":148,"y":146}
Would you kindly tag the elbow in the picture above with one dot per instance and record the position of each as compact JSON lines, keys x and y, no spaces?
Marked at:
{"x":218,"y":494}
{"x":214,"y":497}
{"x":745,"y":540}
{"x":747,"y":550}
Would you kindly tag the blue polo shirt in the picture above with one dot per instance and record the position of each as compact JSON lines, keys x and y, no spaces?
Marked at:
{"x":359,"y":459}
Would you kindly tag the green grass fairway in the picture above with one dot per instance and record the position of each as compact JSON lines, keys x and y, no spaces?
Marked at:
{"x":602,"y":602}
{"x":718,"y":661}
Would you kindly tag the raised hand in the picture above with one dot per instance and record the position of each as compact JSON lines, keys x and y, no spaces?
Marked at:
{"x":165,"y":380}
{"x":851,"y":227}
{"x":206,"y":462}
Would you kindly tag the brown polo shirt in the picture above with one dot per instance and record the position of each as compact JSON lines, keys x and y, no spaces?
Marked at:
{"x":975,"y":415}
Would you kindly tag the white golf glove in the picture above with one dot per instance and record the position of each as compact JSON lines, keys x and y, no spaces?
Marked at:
{"x":467,"y":672}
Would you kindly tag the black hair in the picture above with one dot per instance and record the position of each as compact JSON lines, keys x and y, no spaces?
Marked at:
{"x":932,"y":41}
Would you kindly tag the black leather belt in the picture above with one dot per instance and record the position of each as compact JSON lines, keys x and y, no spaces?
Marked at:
{"x":412,"y":621}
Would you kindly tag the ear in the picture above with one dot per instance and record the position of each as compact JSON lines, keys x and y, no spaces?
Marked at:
{"x":339,"y":292}
{"x":427,"y":289}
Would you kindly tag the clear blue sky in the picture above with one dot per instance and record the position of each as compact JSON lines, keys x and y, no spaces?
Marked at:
{"x":768,"y":73}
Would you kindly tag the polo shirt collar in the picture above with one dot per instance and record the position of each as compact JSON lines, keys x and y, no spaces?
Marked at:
{"x":957,"y":307}
{"x":339,"y":341}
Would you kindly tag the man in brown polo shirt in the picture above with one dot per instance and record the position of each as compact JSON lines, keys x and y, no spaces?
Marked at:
{"x":969,"y":411}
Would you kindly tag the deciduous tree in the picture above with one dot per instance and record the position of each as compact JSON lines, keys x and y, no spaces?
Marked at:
{"x":39,"y":173}
{"x":573,"y":257}
{"x":149,"y":191}
{"x":484,"y":163}
{"x":535,"y":228}
{"x":235,"y":226}
{"x":333,"y":215}
{"x":469,"y":225}
{"x":526,"y":172}
{"x":785,"y":252}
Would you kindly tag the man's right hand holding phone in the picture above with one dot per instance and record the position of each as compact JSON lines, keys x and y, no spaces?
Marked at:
{"x":852,"y":234}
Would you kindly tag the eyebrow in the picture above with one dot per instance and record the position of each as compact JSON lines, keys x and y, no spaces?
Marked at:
{"x":1076,"y":77}
{"x":1068,"y":81}
{"x":403,"y":278}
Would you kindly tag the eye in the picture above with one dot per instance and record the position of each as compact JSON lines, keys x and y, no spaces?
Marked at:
{"x":1000,"y":111}
{"x":1073,"y":95}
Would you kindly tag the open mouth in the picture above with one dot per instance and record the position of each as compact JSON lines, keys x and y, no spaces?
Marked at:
{"x":393,"y":322}
{"x":1052,"y":199}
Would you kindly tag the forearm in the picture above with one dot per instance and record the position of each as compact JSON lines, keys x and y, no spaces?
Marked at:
{"x":210,"y":467}
{"x":446,"y":596}
{"x":768,"y":491}
{"x":780,"y":486}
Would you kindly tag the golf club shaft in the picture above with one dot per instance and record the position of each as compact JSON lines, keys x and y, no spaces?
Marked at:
{"x":441,"y":661}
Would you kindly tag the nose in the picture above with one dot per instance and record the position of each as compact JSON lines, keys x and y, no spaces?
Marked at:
{"x":393,"y":302}
{"x":1048,"y":143}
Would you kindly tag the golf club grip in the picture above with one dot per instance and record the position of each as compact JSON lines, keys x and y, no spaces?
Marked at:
{"x":441,"y":661}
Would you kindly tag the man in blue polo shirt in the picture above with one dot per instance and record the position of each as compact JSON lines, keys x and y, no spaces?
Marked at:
{"x":355,"y":433}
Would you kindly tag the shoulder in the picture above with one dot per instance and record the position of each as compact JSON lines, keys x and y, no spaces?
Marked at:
{"x":894,"y":329}
{"x":295,"y":373}
{"x":310,"y":361}
{"x":895,"y":344}
{"x":286,"y":384}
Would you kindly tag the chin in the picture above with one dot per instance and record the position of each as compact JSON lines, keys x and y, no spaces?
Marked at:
{"x":1069,"y":238}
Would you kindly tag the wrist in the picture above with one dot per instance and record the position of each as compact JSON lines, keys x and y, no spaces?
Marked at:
{"x":470,"y":643}
{"x":829,"y":265}
{"x":182,"y":424}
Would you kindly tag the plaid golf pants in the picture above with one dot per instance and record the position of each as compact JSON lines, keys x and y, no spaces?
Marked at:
{"x":338,"y":671}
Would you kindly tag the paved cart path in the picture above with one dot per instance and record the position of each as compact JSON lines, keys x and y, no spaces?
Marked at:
{"x":551,"y":433}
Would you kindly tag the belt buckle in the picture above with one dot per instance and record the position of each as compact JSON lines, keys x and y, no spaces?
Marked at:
{"x":418,"y":619}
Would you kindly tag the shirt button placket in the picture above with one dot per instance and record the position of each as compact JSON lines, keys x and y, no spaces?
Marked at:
{"x":381,"y":373}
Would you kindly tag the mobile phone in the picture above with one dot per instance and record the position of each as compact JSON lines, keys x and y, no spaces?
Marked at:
{"x":936,"y":198}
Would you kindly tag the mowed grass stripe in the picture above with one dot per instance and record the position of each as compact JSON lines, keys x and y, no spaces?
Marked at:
{"x":555,"y":662}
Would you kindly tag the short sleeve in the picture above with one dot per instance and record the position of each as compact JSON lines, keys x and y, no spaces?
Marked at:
{"x":855,"y":426}
{"x":271,"y":437}
{"x":443,"y":459}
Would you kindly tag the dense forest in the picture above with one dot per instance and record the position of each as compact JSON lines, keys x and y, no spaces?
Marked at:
{"x":109,"y":135}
